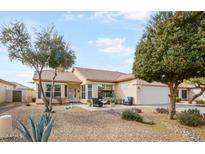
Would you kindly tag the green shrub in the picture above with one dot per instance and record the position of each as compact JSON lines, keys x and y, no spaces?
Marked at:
{"x":132,"y":116}
{"x":178,"y":100}
{"x":200,"y":101}
{"x":161,"y":110}
{"x":188,"y":118}
{"x":194,"y":111}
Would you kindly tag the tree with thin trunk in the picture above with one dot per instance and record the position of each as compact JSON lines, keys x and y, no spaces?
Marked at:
{"x":198,"y":83}
{"x":61,"y":56}
{"x":33,"y":53}
{"x":171,"y":50}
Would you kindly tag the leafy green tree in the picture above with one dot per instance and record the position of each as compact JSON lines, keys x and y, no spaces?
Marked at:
{"x":61,"y":56}
{"x":198,"y":83}
{"x":45,"y":51}
{"x":171,"y":50}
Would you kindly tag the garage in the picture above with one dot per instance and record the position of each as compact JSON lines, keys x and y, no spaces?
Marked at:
{"x":154,"y":94}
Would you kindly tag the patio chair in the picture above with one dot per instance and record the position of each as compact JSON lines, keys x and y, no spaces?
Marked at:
{"x":128,"y":101}
{"x":96,"y":102}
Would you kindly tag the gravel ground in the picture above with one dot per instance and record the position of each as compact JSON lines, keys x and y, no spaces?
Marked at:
{"x":78,"y":125}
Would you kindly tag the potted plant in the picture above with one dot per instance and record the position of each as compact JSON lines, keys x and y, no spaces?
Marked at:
{"x":112,"y":103}
{"x":89,"y":102}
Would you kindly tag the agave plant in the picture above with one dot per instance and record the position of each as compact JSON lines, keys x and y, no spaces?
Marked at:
{"x":40,"y":130}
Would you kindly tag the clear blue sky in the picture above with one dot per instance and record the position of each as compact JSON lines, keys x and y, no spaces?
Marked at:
{"x":104,"y":40}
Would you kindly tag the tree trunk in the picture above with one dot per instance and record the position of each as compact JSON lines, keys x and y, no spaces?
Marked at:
{"x":197,"y":95}
{"x":42,"y":91}
{"x":172,"y":97}
{"x":52,"y":91}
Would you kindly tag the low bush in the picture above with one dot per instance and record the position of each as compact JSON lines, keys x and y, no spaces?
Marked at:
{"x":132,"y":116}
{"x":194,"y":111}
{"x":200,"y":101}
{"x":162,"y":110}
{"x":178,"y":100}
{"x":188,"y":118}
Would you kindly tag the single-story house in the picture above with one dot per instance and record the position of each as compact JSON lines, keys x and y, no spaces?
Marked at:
{"x":23,"y":93}
{"x":82,"y":84}
{"x":15,"y":92}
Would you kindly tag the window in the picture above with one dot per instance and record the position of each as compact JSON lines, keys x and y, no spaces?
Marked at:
{"x":89,"y":91}
{"x":184,"y":94}
{"x":107,"y":87}
{"x":48,"y":90}
{"x":83,"y":91}
{"x":57,"y":90}
{"x":105,"y":91}
{"x":66,"y":90}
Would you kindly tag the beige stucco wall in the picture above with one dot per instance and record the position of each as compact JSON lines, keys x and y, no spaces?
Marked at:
{"x":9,"y":96}
{"x":5,"y":90}
{"x":27,"y":95}
{"x":2,"y":94}
{"x":194,"y":91}
{"x":126,"y":88}
{"x":6,"y":86}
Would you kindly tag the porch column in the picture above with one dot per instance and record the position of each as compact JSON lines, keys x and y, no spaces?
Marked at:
{"x":62,"y":90}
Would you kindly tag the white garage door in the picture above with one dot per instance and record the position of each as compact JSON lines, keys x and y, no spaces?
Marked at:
{"x":154,"y":95}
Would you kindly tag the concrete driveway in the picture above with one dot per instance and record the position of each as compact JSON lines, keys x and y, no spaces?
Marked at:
{"x":180,"y":107}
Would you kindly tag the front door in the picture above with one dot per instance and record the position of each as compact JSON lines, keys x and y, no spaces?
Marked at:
{"x":70,"y":93}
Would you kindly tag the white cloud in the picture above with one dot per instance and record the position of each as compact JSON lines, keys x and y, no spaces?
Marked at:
{"x":129,"y":61}
{"x":140,"y":15}
{"x":72,"y":16}
{"x":2,"y":48}
{"x":117,"y":16}
{"x":68,"y":16}
{"x":25,"y":74}
{"x":117,"y":49}
{"x":90,"y":42}
{"x":106,"y":16}
{"x":111,"y":45}
{"x":109,"y":41}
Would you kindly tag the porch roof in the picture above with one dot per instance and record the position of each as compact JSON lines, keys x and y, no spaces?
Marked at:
{"x":103,"y":75}
{"x":66,"y":77}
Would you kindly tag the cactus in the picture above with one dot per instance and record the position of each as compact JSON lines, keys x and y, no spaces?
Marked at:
{"x":40,"y":131}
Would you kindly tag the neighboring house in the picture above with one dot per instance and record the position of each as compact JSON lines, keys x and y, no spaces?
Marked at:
{"x":82,"y":84}
{"x":22,"y":93}
{"x":5,"y":86}
{"x":15,"y":92}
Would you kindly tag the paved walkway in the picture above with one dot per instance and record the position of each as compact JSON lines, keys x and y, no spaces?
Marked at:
{"x":104,"y":108}
{"x":179,"y":107}
{"x":8,"y":106}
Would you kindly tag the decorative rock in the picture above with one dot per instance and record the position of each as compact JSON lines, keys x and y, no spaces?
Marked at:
{"x":147,"y":121}
{"x":136,"y":110}
{"x":5,"y":125}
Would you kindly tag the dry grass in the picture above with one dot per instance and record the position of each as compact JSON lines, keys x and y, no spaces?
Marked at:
{"x":80,"y":125}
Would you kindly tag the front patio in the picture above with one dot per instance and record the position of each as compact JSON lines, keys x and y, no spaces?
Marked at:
{"x":105,"y":107}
